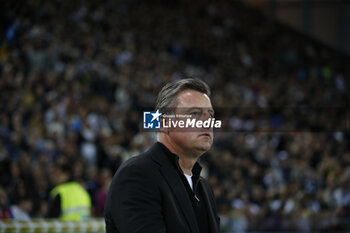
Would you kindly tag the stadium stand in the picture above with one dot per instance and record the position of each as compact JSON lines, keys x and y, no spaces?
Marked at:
{"x":75,"y":74}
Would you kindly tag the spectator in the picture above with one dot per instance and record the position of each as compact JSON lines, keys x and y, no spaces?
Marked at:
{"x":69,"y":200}
{"x":22,"y":209}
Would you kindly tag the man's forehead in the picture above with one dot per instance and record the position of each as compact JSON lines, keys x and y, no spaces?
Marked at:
{"x":192,"y":98}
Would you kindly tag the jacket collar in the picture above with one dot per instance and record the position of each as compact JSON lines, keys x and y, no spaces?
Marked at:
{"x":175,"y":183}
{"x":174,"y":159}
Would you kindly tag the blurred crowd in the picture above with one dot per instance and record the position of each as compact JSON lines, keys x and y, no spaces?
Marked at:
{"x":76,"y":75}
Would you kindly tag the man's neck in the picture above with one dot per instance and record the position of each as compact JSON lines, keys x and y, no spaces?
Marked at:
{"x":186,"y":161}
{"x":186,"y":164}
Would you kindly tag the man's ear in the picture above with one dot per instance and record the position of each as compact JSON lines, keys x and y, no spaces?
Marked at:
{"x":164,"y":120}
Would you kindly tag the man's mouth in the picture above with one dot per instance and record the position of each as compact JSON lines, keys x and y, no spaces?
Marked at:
{"x":204,"y":134}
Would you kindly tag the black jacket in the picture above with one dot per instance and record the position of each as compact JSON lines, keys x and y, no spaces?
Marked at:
{"x":148,"y":196}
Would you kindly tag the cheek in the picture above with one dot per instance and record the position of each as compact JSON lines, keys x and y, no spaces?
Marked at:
{"x":184,"y":138}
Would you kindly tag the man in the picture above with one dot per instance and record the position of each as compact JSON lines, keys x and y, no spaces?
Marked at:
{"x":160,"y":190}
{"x":69,"y":200}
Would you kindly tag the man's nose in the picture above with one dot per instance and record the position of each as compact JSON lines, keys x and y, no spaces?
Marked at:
{"x":206,"y":116}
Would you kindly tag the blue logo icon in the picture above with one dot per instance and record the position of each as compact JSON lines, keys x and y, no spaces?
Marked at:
{"x":151,"y":120}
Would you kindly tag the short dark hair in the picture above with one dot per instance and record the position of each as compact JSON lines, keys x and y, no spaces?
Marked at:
{"x":167,"y":96}
{"x":67,"y":168}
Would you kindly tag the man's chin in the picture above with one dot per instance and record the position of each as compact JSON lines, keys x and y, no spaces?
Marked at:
{"x":204,"y":147}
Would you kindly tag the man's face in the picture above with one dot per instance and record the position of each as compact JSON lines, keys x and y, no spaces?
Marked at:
{"x":60,"y":176}
{"x":193,"y":141}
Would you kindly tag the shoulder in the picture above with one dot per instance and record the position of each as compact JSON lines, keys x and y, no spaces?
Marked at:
{"x":144,"y":162}
{"x":141,"y":168}
{"x":56,"y":191}
{"x":138,"y":173}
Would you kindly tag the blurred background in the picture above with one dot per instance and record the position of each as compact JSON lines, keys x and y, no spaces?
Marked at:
{"x":74,"y":76}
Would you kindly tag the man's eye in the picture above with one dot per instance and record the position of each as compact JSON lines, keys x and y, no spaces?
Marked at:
{"x":195,"y":114}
